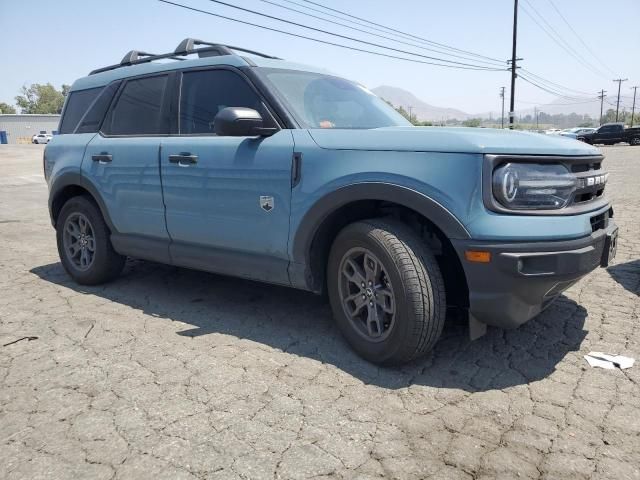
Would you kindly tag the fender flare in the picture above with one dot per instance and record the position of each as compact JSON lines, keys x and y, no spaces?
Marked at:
{"x":76,"y":179}
{"x":407,"y":197}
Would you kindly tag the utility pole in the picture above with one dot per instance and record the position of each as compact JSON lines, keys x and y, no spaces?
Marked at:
{"x":502,"y":117}
{"x":633,"y":108}
{"x":410,"y":107}
{"x":512,"y":104}
{"x":619,"y":80}
{"x":535,"y":110}
{"x":601,"y":97}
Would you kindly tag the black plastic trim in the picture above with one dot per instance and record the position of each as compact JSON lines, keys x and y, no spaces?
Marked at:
{"x":406,"y":197}
{"x":523,"y":278}
{"x":76,"y":179}
{"x":142,"y":247}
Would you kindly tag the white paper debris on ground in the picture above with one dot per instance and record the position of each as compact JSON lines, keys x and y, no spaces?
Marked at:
{"x":605,"y":360}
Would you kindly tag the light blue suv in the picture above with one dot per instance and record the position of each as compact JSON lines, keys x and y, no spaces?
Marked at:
{"x":243,"y":164}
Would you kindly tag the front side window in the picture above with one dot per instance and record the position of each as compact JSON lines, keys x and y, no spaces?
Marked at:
{"x":138,"y":110}
{"x":77,"y":105}
{"x":204,"y":93}
{"x":324,"y":101}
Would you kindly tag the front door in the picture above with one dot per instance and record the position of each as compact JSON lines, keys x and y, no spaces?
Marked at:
{"x":122,"y":163}
{"x":227,"y":198}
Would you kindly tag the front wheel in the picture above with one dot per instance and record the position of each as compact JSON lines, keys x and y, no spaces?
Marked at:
{"x":84,"y":243}
{"x":386,"y":291}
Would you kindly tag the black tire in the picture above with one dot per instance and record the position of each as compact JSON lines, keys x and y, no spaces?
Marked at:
{"x":634,"y":141}
{"x":416,"y":283}
{"x":106,"y":263}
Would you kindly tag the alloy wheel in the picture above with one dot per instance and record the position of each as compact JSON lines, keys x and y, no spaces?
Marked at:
{"x":366,"y":294}
{"x":79,"y":241}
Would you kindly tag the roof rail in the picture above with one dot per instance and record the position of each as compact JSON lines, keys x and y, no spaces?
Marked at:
{"x":185,"y":47}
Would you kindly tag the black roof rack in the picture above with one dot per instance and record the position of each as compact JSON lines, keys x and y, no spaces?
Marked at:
{"x":185,"y":47}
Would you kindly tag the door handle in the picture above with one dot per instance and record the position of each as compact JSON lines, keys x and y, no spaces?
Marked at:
{"x":184,"y":159}
{"x":102,"y":158}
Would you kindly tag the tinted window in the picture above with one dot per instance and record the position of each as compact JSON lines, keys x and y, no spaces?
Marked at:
{"x":75,"y":108}
{"x":138,"y":110}
{"x":205,"y":93}
{"x":91,"y":121}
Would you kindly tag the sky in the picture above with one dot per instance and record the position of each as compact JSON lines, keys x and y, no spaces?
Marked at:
{"x":60,"y":41}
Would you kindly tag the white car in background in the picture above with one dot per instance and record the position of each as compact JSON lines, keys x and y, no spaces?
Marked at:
{"x":574,"y":132}
{"x":553,"y":131}
{"x":41,"y":138}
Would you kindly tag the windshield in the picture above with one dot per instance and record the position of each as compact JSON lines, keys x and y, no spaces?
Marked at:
{"x":324,"y":101}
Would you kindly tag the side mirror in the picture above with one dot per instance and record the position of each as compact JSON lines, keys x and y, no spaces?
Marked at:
{"x":240,"y":122}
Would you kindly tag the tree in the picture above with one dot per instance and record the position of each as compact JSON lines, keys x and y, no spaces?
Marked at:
{"x":6,"y":108}
{"x":41,"y":98}
{"x":472,"y":122}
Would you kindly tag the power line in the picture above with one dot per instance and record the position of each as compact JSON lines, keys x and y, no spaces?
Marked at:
{"x":549,"y":82}
{"x":557,"y":38}
{"x":493,"y":63}
{"x":579,"y":37}
{"x":347,"y":37}
{"x":326,"y":42}
{"x":548,"y":90}
{"x":559,"y":103}
{"x":397,"y":31}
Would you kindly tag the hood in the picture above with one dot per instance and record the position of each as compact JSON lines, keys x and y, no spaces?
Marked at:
{"x":450,"y":139}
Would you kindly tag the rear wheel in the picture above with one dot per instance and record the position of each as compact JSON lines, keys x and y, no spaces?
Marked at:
{"x":386,"y":291}
{"x":634,"y":141}
{"x":84,"y":245}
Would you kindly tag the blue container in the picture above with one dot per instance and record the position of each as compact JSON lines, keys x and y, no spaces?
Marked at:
{"x":3,"y":137}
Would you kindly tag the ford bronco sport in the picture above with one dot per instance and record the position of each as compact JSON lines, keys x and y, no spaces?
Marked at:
{"x":243,"y":164}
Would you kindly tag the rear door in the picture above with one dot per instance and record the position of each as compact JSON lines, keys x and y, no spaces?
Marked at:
{"x":122,"y":163}
{"x":228,"y":199}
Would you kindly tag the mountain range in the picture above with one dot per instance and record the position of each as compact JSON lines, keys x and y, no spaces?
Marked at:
{"x":425,"y":111}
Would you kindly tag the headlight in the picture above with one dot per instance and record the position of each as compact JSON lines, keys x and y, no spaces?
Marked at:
{"x":532,"y":186}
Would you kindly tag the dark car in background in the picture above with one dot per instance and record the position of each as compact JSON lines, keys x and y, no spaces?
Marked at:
{"x":612,"y":133}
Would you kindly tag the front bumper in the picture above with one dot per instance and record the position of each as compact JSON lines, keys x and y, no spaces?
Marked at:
{"x":524,"y":278}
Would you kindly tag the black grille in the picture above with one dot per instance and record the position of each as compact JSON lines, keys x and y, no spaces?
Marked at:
{"x":586,"y":166}
{"x":599,"y":222}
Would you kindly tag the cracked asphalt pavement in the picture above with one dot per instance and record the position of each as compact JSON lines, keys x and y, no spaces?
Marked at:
{"x":176,"y":374}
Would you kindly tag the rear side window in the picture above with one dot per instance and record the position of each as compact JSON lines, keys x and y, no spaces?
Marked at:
{"x":138,"y":109}
{"x":77,"y":105}
{"x":91,"y":121}
{"x":205,"y":93}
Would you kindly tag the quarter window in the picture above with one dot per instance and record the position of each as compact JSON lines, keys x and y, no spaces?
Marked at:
{"x":91,"y":121}
{"x":138,"y":110}
{"x":77,"y":105}
{"x":205,"y":93}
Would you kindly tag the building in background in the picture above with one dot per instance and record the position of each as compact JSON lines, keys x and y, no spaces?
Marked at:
{"x":20,"y":128}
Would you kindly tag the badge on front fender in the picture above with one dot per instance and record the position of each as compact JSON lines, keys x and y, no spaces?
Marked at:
{"x":267,"y":203}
